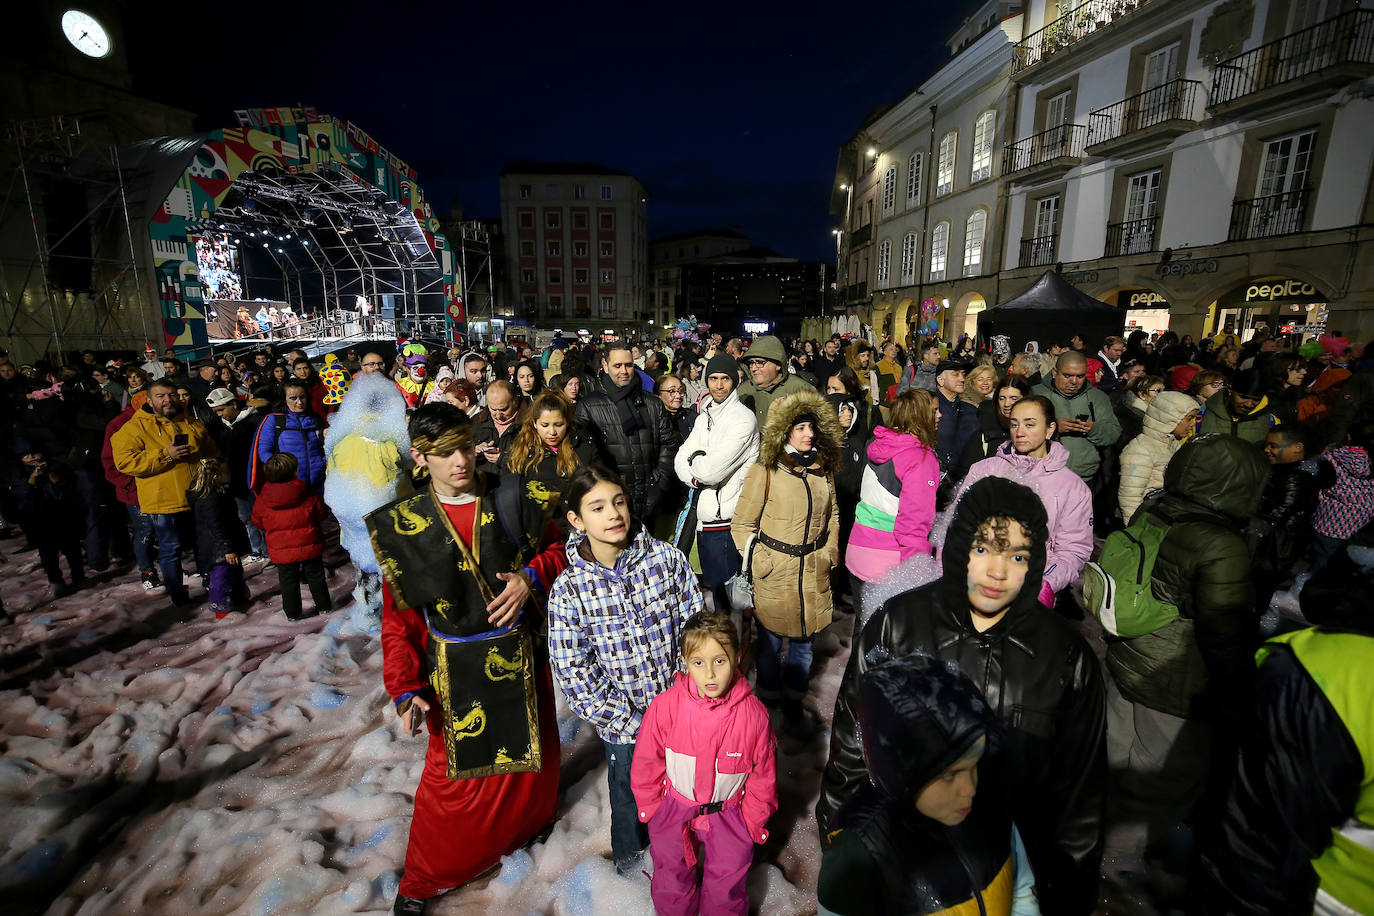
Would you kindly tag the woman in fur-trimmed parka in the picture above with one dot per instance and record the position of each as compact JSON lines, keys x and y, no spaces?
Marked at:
{"x":789,"y":511}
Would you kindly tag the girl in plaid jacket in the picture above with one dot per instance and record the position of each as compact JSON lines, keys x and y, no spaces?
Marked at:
{"x":615,"y":617}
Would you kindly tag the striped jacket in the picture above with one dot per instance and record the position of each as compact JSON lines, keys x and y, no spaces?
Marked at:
{"x":614,"y":633}
{"x":896,"y":504}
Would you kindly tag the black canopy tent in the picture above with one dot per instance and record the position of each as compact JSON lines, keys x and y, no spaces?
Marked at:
{"x":1052,"y":309}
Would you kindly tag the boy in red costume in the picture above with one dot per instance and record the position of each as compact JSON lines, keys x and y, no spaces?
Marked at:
{"x":467,"y":562}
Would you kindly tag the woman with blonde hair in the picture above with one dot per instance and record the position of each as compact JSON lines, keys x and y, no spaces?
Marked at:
{"x":548,"y":448}
{"x":786,"y":524}
{"x":979,"y":383}
{"x":897,"y":492}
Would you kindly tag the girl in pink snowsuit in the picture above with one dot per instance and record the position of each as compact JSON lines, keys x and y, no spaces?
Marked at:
{"x":704,"y":773}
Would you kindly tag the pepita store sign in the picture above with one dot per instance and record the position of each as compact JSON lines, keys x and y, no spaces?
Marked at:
{"x":1282,"y":291}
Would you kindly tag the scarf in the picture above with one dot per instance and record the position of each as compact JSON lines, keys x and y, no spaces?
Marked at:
{"x":622,"y":398}
{"x":799,"y":458}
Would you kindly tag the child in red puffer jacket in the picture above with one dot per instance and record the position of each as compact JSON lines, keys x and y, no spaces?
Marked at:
{"x":704,"y":776}
{"x":289,"y":514}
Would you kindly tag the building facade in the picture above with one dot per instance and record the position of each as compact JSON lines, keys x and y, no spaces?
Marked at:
{"x":918,"y":201}
{"x":70,"y":275}
{"x":1198,"y":163}
{"x":576,"y":249}
{"x":669,"y":254}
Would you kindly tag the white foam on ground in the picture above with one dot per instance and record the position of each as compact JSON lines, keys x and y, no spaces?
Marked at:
{"x":159,"y":761}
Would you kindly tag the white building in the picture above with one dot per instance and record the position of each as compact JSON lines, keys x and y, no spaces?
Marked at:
{"x":1208,"y":161}
{"x":917,"y":197}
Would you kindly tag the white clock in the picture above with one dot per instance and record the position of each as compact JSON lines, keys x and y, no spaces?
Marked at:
{"x":86,"y":33}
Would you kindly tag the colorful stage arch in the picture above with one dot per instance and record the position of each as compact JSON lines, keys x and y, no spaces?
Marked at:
{"x":293,"y":141}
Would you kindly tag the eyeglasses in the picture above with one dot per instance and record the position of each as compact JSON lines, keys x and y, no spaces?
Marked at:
{"x":672,"y":392}
{"x":373,"y":365}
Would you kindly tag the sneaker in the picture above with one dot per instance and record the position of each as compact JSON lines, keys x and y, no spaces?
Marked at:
{"x":151,"y":581}
{"x":255,"y":558}
{"x":189,"y":579}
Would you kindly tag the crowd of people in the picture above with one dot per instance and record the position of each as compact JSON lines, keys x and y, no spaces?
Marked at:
{"x":661,"y":533}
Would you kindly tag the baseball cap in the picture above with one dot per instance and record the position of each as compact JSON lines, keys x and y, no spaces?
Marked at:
{"x":219,"y":397}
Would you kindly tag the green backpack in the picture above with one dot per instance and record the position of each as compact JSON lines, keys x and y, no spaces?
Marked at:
{"x":1117,"y":587}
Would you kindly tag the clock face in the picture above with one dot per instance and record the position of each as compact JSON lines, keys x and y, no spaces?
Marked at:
{"x":86,"y":34}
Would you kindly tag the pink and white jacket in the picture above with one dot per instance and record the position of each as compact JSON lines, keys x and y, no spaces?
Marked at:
{"x":704,"y":750}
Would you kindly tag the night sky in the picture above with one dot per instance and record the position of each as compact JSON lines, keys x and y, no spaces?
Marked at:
{"x":729,"y":123}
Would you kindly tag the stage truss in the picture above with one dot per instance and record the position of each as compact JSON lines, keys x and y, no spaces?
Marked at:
{"x":337,"y":217}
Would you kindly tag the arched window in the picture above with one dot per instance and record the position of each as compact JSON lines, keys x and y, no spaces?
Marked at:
{"x":974,"y":231}
{"x":984,"y":130}
{"x":889,"y":191}
{"x":884,"y":264}
{"x":944,"y":177}
{"x":909,"y":259}
{"x":939,"y":250}
{"x":913,"y":179}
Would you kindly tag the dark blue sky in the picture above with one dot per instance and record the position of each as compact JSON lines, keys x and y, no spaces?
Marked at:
{"x":730,"y":122}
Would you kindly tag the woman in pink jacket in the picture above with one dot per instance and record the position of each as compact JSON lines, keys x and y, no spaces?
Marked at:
{"x":704,"y":773}
{"x":897,"y":492}
{"x":1032,"y":457}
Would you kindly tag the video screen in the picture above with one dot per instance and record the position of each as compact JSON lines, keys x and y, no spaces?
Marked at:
{"x":218,"y":260}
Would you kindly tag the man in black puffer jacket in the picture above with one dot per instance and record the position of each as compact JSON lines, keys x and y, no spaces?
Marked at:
{"x":635,"y":430}
{"x":1037,"y":672}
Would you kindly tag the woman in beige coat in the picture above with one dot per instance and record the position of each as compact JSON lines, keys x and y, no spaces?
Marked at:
{"x":1168,"y":421}
{"x":787,"y":525}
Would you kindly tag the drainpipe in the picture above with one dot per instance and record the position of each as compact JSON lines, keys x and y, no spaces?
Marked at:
{"x":922,"y":263}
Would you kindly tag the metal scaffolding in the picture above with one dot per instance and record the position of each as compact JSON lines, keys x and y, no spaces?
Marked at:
{"x":41,"y":310}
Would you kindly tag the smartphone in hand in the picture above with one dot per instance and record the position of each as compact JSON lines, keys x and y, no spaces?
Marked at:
{"x":180,"y":439}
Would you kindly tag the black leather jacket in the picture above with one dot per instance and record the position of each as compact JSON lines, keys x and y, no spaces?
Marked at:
{"x":643,"y":458}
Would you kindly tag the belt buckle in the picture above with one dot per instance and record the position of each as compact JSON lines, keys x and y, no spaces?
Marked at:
{"x":711,"y":808}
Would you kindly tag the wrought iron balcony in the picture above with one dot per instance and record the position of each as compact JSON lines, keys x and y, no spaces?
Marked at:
{"x":1338,"y":49}
{"x":1039,"y":252}
{"x":861,"y":236}
{"x":858,"y":291}
{"x":1055,"y":150}
{"x":1082,"y":21}
{"x":1261,"y":217}
{"x":1152,"y":116}
{"x":1134,"y":236}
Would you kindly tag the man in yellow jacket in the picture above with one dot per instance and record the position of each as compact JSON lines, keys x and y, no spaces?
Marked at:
{"x":159,"y":447}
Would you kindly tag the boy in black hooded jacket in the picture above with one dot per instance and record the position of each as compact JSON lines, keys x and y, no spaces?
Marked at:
{"x":1036,"y":670}
{"x":929,"y":832}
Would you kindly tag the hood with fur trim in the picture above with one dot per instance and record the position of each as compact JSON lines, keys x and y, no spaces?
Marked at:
{"x":783,"y":413}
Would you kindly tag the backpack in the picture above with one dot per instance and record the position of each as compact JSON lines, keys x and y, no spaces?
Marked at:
{"x":1117,"y":587}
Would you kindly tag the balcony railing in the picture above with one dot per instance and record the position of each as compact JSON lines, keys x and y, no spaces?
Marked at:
{"x":1134,"y":236}
{"x":1261,"y":217}
{"x":1347,"y":38}
{"x":1085,"y":19}
{"x":1057,"y":142}
{"x":1039,"y":252}
{"x":1174,"y":100}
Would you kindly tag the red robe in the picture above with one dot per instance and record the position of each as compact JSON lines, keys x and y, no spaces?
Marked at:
{"x":463,"y":827}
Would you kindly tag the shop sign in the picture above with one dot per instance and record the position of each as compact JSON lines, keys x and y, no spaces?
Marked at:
{"x":1141,"y":299}
{"x":1281,"y":291}
{"x":1187,"y":268}
{"x":1079,"y":276}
